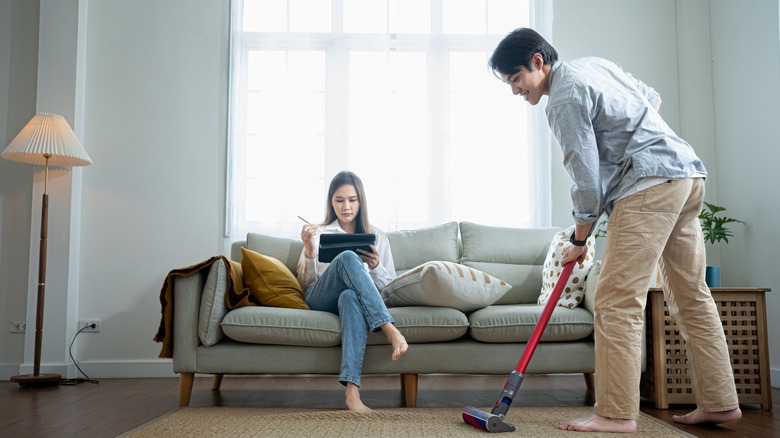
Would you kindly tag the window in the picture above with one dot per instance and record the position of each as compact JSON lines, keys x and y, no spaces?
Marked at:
{"x":397,"y":91}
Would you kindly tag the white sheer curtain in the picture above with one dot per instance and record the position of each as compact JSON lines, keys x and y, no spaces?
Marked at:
{"x":399,"y":92}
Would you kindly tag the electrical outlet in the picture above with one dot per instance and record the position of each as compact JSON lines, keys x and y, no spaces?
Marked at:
{"x":18,"y":326}
{"x":88,"y":323}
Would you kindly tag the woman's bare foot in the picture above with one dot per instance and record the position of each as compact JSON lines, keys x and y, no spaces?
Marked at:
{"x":353,"y":399}
{"x":396,"y":340}
{"x":597,"y":423}
{"x":700,"y":417}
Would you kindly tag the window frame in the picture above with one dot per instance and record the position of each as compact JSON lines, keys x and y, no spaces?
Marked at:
{"x":337,"y":46}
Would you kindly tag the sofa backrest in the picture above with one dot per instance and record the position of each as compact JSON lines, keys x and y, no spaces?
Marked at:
{"x":411,"y":248}
{"x":515,"y":255}
{"x":285,"y":249}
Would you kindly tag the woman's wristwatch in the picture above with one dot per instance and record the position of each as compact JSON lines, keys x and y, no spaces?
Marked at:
{"x":576,"y":242}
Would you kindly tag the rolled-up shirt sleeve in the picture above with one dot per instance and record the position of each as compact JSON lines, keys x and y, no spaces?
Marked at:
{"x":308,"y":268}
{"x":572,"y":127}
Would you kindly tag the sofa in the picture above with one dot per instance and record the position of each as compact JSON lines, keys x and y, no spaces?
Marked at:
{"x":208,"y":338}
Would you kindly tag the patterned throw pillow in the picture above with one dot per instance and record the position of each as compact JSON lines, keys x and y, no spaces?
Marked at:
{"x":574,"y":290}
{"x":445,"y":284}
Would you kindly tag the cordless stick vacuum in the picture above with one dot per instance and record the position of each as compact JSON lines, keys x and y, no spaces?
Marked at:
{"x":494,"y":420}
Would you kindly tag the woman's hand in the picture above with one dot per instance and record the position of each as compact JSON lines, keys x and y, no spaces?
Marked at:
{"x":371,"y":258}
{"x":307,"y":236}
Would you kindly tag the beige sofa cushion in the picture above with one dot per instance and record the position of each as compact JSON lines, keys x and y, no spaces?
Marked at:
{"x":515,"y":255}
{"x":426,"y":324}
{"x":282,"y":326}
{"x":515,"y":323}
{"x":312,"y":328}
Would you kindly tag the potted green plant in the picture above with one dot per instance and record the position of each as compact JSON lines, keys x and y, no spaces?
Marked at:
{"x":715,"y":231}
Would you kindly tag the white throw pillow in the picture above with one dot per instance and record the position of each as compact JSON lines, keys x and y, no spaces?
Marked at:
{"x":574,"y":291}
{"x":445,"y":284}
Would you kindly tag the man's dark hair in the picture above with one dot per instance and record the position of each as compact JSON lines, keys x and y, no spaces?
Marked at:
{"x":517,"y":49}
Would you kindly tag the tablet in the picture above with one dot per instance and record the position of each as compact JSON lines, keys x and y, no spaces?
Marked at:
{"x":333,"y":244}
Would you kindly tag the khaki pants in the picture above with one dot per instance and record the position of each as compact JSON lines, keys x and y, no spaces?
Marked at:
{"x":657,"y":225}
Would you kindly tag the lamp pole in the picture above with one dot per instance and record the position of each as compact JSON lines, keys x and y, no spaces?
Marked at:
{"x":36,"y":378}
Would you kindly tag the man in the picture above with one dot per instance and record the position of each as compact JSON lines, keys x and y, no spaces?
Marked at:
{"x":627,"y":163}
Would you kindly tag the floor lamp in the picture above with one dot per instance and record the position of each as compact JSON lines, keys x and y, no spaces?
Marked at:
{"x":46,"y":140}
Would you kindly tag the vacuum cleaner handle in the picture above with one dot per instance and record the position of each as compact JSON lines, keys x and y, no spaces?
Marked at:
{"x":495,"y":420}
{"x":555,"y":295}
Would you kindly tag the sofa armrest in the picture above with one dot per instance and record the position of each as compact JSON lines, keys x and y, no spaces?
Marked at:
{"x":186,"y":310}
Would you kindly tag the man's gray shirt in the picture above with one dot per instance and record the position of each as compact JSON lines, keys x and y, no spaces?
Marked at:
{"x":610,"y":134}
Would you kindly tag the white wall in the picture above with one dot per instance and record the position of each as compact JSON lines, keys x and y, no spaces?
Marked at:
{"x":155,"y":126}
{"x":18,"y":77}
{"x":746,"y":84}
{"x":640,"y":36}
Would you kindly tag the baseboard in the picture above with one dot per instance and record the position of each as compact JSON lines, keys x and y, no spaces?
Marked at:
{"x":153,"y":368}
{"x":128,"y":369}
{"x":8,"y":370}
{"x":96,"y":369}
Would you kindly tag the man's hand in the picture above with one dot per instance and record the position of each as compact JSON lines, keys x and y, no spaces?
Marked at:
{"x":573,"y":252}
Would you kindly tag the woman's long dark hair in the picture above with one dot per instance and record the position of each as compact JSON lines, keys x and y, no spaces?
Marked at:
{"x":346,"y":177}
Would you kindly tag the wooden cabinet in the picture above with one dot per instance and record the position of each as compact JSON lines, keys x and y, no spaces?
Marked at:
{"x":743,"y":314}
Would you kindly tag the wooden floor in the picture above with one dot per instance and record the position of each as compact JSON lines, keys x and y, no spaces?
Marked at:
{"x":115,"y":406}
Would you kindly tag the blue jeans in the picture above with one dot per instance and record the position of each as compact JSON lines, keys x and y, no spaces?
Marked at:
{"x":347,"y":290}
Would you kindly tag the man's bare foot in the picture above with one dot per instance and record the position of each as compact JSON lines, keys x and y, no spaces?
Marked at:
{"x":354,"y":403}
{"x":396,"y":339}
{"x":700,"y":417}
{"x":597,"y":423}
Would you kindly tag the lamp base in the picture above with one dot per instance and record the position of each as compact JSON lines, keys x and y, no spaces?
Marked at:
{"x":33,"y":381}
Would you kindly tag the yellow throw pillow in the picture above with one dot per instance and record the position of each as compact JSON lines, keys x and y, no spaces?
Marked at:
{"x":271,"y":283}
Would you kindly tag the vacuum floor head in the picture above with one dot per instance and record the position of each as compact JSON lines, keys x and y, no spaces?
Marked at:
{"x":486,"y":421}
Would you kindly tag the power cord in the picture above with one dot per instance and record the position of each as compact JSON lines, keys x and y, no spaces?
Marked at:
{"x":77,"y":380}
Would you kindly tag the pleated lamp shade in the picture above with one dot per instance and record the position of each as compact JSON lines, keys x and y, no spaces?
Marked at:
{"x":47,"y":134}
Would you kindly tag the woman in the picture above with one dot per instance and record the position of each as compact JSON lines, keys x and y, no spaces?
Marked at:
{"x":349,"y":286}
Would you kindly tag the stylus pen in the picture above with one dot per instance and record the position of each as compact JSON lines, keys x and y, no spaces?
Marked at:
{"x":304,"y":220}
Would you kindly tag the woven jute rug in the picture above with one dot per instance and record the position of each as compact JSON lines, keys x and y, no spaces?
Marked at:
{"x":399,"y":422}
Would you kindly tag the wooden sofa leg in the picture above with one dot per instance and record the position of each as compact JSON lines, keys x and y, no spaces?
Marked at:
{"x":409,"y":388}
{"x":216,"y":382}
{"x":185,"y":388}
{"x":588,"y":380}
